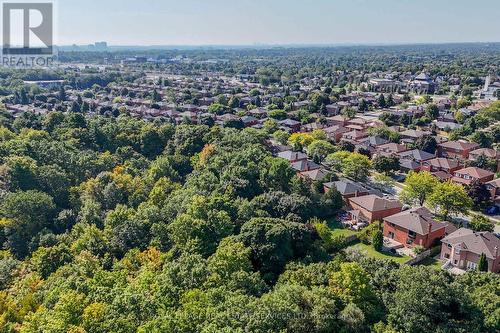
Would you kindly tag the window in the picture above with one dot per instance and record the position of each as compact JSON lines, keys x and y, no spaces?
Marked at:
{"x":391,"y":235}
{"x":412,"y":234}
{"x":449,"y":246}
{"x":447,"y":255}
{"x":471,"y":266}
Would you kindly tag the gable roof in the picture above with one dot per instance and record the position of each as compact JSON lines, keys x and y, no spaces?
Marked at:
{"x":475,"y":242}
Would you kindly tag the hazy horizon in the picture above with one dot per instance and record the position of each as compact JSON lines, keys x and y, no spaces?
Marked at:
{"x":276,"y":22}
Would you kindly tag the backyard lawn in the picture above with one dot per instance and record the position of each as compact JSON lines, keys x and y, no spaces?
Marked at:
{"x":338,"y":229}
{"x":431,"y":262}
{"x":370,"y":251}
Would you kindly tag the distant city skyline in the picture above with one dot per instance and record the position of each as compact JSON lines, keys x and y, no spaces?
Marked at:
{"x":276,"y":22}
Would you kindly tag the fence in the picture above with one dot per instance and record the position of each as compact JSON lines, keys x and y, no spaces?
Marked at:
{"x":418,"y":258}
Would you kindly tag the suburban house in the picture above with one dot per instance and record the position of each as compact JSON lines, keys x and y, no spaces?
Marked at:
{"x":371,"y":143}
{"x":486,"y":152}
{"x":290,"y":123}
{"x":414,"y":227}
{"x":304,"y":165}
{"x":494,"y":188}
{"x":338,"y":120}
{"x":391,"y":148}
{"x":315,"y":175}
{"x":411,"y":160}
{"x":414,"y":134}
{"x":468,"y":175}
{"x":456,"y":149}
{"x":335,"y":132}
{"x":370,"y":208}
{"x":462,"y":249}
{"x":440,"y":164}
{"x":347,"y":188}
{"x":415,"y":155}
{"x":354,"y":135}
{"x":292,"y":156}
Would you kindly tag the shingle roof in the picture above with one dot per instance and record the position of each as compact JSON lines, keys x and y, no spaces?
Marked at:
{"x":459,"y":145}
{"x":374,"y":141}
{"x":417,"y":220}
{"x":347,"y":187}
{"x":475,"y":242}
{"x":475,"y":172}
{"x":488,"y":152}
{"x":292,"y":155}
{"x":305,"y":165}
{"x":317,"y":174}
{"x":392,"y":147}
{"x":441,"y":162}
{"x":374,"y":203}
{"x":416,"y":154}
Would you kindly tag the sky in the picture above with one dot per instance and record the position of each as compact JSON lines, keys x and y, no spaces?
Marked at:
{"x":249,"y":22}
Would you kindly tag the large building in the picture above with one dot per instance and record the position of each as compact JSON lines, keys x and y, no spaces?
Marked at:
{"x":422,"y":85}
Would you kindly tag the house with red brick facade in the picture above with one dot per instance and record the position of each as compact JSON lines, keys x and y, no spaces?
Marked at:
{"x":488,"y":153}
{"x":440,"y":164}
{"x":346,"y":188}
{"x":414,"y":227}
{"x":456,"y":149}
{"x":370,"y":208}
{"x":462,"y":249}
{"x":467,"y":176}
{"x":292,"y":156}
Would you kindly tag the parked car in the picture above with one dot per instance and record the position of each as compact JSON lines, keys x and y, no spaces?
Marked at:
{"x":492,"y":210}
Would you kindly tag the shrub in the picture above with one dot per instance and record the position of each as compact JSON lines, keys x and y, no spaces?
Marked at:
{"x":378,"y":240}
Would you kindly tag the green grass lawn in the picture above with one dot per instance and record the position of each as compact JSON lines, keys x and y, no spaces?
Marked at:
{"x":338,"y":229}
{"x":431,"y":262}
{"x":370,"y":251}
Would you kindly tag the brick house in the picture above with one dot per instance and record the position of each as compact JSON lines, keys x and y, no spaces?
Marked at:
{"x":390,"y":148}
{"x":292,"y":156}
{"x":440,"y":164}
{"x":335,"y":132}
{"x":348,"y":189}
{"x":372,"y":208}
{"x":414,"y":227}
{"x":462,"y":249}
{"x":486,"y":152}
{"x":468,"y":175}
{"x":456,"y":149}
{"x":494,"y":188}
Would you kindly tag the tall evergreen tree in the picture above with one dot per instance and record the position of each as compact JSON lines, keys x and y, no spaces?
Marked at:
{"x":482,"y":265}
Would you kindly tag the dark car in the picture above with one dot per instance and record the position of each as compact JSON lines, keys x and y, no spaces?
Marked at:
{"x":492,"y":210}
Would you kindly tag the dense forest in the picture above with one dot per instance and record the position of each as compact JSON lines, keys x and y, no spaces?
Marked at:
{"x":122,"y":225}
